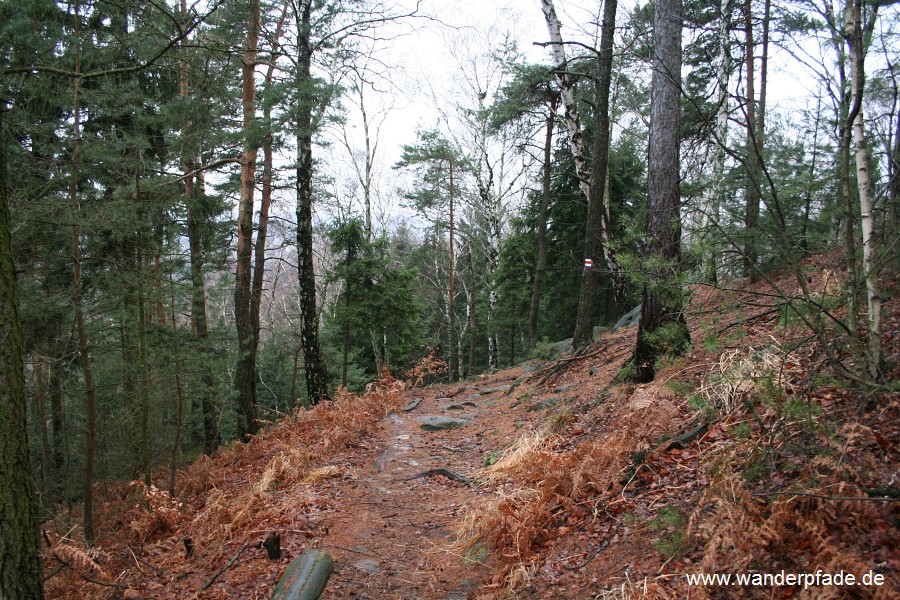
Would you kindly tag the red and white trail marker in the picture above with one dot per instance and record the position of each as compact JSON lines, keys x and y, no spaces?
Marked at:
{"x":588,"y":263}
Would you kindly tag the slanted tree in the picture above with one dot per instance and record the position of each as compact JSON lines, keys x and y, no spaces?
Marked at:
{"x":596,"y":228}
{"x":597,"y":238}
{"x":663,"y":328}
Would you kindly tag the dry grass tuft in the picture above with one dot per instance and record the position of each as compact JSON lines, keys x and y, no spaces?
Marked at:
{"x":628,"y":590}
{"x":740,"y":372}
{"x":321,"y":474}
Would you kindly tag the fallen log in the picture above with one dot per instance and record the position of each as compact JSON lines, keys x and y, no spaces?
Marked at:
{"x":305,"y":578}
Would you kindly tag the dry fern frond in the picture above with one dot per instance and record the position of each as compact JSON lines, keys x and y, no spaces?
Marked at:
{"x":520,"y":456}
{"x":84,"y":562}
{"x":283,"y":468}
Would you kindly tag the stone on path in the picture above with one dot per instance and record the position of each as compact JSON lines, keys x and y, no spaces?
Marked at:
{"x":499,"y":388}
{"x":412,"y":405}
{"x":368,"y":565}
{"x":545,"y":404}
{"x":439,"y":423}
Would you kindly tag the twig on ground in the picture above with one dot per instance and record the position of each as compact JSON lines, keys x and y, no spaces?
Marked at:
{"x":159,"y":571}
{"x":591,"y":557}
{"x":227,"y":565}
{"x":823,"y":497}
{"x":53,"y":573}
{"x":89,"y":579}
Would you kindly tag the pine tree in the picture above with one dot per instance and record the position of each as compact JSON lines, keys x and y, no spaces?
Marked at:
{"x":20,"y":567}
{"x":662,"y":328}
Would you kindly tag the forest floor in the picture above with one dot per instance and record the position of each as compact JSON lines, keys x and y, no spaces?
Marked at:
{"x":746,"y":455}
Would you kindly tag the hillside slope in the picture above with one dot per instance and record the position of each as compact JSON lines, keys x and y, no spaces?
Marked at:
{"x":744,"y":456}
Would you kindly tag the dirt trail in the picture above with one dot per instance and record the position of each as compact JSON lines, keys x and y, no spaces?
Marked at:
{"x":389,"y":534}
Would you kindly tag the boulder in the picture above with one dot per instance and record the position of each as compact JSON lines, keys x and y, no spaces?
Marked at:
{"x":559,"y":347}
{"x":629,"y":319}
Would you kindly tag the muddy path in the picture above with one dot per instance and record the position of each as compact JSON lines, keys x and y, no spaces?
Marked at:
{"x":388,"y":530}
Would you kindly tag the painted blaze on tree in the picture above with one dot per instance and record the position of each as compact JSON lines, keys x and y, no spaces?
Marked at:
{"x":662,"y":329}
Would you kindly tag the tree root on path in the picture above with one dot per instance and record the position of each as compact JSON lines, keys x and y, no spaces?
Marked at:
{"x":445,"y":472}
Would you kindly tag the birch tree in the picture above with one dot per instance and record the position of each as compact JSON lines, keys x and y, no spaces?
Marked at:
{"x":596,"y":229}
{"x":853,"y":33}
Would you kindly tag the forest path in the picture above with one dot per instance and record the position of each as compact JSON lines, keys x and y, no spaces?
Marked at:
{"x":389,"y":535}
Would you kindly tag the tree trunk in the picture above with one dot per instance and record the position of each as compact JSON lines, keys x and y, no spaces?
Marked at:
{"x":854,"y":35}
{"x":143,"y":372}
{"x":451,"y":292}
{"x":179,"y":397}
{"x":596,"y":225}
{"x":852,"y":320}
{"x":59,"y":451}
{"x":20,"y":566}
{"x":294,"y":371}
{"x":596,"y":239}
{"x":78,"y":302}
{"x":40,"y":374}
{"x":316,"y":374}
{"x":751,"y":213}
{"x":662,"y":296}
{"x":245,"y":370}
{"x":195,"y":223}
{"x":492,"y":215}
{"x":763,"y":82}
{"x":807,"y":197}
{"x":718,"y":189}
{"x":470,"y":310}
{"x":262,"y":228}
{"x":894,"y":174}
{"x":540,"y":267}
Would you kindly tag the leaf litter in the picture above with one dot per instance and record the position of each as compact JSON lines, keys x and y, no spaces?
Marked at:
{"x":589,"y":499}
